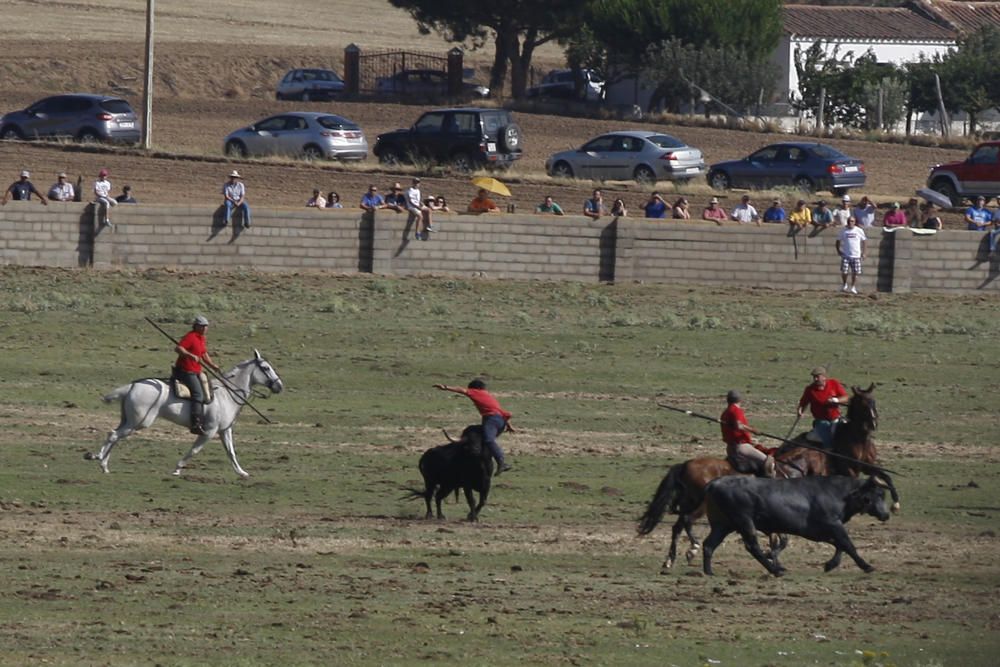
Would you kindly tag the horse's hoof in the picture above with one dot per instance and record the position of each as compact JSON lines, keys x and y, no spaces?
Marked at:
{"x":89,"y":456}
{"x":176,"y":472}
{"x":665,"y":568}
{"x":244,"y":475}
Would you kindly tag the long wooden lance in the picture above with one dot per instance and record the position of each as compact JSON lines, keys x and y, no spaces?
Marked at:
{"x":691,"y":413}
{"x":235,"y":391}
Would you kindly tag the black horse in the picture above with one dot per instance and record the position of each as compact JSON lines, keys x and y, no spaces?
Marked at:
{"x":465,"y":464}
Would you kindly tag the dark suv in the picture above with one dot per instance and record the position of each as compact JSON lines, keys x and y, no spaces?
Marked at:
{"x":86,"y":118}
{"x":466,"y":139}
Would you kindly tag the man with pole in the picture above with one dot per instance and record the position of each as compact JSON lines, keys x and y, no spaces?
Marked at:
{"x":740,"y":450}
{"x":192,"y":352}
{"x":823,"y":396}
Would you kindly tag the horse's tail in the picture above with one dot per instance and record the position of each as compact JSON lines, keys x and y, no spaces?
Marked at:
{"x":664,"y":499}
{"x":117,"y":394}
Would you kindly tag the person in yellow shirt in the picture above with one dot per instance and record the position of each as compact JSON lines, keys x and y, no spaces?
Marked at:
{"x":801,"y":216}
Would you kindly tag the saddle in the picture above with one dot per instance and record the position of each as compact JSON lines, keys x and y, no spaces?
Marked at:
{"x":181,"y":390}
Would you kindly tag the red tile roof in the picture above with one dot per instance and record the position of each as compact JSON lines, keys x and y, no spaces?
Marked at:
{"x":872,"y":23}
{"x":965,"y":16}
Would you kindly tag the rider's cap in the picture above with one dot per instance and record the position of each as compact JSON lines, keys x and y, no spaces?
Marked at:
{"x":733,"y":396}
{"x":200,"y":321}
{"x":819,"y":370}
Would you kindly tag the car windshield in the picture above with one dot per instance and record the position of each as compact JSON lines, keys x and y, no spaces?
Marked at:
{"x":116,"y":106}
{"x":319,"y":75}
{"x":665,"y":141}
{"x":829,"y":152}
{"x":494,"y":121}
{"x":336,"y":123}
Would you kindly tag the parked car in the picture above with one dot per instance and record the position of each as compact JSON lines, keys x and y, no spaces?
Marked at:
{"x":804,"y":165}
{"x":464,"y":138}
{"x":562,"y":83}
{"x":307,"y":85}
{"x":309,"y":134}
{"x":641,"y":155}
{"x":425,"y":82}
{"x":975,"y":176}
{"x":84,"y":117}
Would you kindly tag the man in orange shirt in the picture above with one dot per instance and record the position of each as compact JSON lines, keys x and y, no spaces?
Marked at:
{"x":192,"y":352}
{"x":740,"y":450}
{"x":496,"y":420}
{"x":483,"y":204}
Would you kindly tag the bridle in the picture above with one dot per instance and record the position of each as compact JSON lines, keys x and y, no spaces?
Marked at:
{"x":242,"y":396}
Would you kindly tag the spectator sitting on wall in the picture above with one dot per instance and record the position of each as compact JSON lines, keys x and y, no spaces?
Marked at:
{"x":62,"y":190}
{"x":822,"y":216}
{"x":978,"y":217}
{"x":714,"y":212}
{"x":745,"y":213}
{"x":126,"y":196}
{"x":439,"y":203}
{"x":775,"y":213}
{"x":102,"y":197}
{"x":549,"y":206}
{"x":234,"y":196}
{"x":22,"y":189}
{"x":681,"y":209}
{"x":913,"y":212}
{"x":864,"y":212}
{"x":618,"y":209}
{"x":594,"y":207}
{"x":396,"y":200}
{"x":801,"y":216}
{"x":333,"y":200}
{"x":894,"y":217}
{"x":655,"y":207}
{"x":481,"y":203}
{"x":316,"y":201}
{"x":372,"y":200}
{"x":419,"y":212}
{"x":931,"y":218}
{"x":842,"y":213}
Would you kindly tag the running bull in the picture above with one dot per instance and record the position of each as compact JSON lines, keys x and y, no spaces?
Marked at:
{"x":812,"y":507}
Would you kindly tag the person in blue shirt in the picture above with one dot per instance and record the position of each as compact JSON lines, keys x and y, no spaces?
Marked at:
{"x":775,"y":213}
{"x":978,"y":217}
{"x":21,"y":190}
{"x":655,"y":207}
{"x":372,"y":199}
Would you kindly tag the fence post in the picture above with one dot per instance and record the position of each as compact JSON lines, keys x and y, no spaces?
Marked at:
{"x":352,"y":68}
{"x":455,"y":74}
{"x":819,"y":115}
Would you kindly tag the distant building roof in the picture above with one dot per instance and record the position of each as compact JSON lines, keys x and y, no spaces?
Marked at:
{"x":865,"y":23}
{"x":964,"y":17}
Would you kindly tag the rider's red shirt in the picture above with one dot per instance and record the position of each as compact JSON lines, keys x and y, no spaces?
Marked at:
{"x":194,"y":343}
{"x":486,"y":403}
{"x":732,"y":416}
{"x":816,"y":399}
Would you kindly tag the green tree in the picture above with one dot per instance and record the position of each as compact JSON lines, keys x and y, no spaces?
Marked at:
{"x":517,"y":28}
{"x":970,"y":75}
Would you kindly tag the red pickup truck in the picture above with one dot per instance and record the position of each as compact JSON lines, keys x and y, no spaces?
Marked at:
{"x":977,"y":175}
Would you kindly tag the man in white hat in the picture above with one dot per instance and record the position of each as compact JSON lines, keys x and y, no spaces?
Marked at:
{"x":235,"y":197}
{"x":192,"y":352}
{"x":62,"y":190}
{"x":22,"y":189}
{"x":843,"y":212}
{"x":714,"y":212}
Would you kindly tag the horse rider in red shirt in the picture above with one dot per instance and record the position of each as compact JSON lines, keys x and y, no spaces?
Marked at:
{"x":496,"y":420}
{"x":823,"y":396}
{"x":192,"y":352}
{"x":740,"y":450}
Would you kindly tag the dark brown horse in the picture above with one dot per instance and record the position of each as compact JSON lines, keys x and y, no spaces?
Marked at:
{"x":682,"y":490}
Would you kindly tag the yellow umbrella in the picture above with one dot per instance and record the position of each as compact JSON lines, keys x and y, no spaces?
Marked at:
{"x":492,"y":185}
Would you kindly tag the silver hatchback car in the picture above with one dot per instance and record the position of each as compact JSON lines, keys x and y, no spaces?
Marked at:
{"x":639,"y":155}
{"x":309,"y":134}
{"x":86,"y":118}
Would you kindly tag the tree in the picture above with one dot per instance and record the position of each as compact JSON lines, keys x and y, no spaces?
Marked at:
{"x":970,"y":73}
{"x":517,"y":28}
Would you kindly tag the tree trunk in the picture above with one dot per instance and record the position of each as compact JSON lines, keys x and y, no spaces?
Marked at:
{"x":519,"y":69}
{"x":498,"y":72}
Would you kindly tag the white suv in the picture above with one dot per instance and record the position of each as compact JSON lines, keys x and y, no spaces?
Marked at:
{"x":561,"y":83}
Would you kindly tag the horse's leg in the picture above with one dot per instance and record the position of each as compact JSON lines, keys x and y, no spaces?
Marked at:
{"x":675,"y":532}
{"x":689,"y":520}
{"x":124,"y":430}
{"x":195,"y":448}
{"x":227,"y":441}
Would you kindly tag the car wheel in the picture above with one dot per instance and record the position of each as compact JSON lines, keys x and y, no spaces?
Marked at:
{"x":88,"y":137}
{"x":389,"y":156}
{"x":945,"y":187}
{"x":312,"y":152}
{"x":461,"y":162}
{"x":10,"y":132}
{"x":643,"y":175}
{"x":804,"y":184}
{"x":236,"y":149}
{"x":562,"y":170}
{"x":510,"y":138}
{"x":719,"y":180}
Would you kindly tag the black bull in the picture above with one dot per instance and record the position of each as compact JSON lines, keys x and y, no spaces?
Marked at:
{"x":812,"y":507}
{"x":465,"y":464}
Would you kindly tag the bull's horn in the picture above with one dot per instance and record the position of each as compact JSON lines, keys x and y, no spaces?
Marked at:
{"x":871,"y":388}
{"x":880,"y":482}
{"x":256,"y":354}
{"x":450,"y":439}
{"x":896,"y":507}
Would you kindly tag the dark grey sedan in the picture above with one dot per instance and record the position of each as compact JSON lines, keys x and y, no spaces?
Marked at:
{"x":309,"y":85}
{"x":807,"y":166}
{"x":86,"y":118}
{"x":638,"y":155}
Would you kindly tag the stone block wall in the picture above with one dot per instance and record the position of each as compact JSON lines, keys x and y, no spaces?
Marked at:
{"x":54,"y":235}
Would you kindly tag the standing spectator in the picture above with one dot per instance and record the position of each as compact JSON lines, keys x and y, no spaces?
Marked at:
{"x":843,"y":212}
{"x":977,"y":217}
{"x":864,"y":212}
{"x":419,"y":212}
{"x":775,"y":212}
{"x":126,"y":196}
{"x":894,"y":217}
{"x":22,"y":189}
{"x":317,"y":200}
{"x":62,"y":190}
{"x":102,"y":194}
{"x":549,"y":206}
{"x":594,"y":207}
{"x":681,"y":210}
{"x":851,"y":246}
{"x":618,"y":209}
{"x":744,"y":212}
{"x":396,"y":200}
{"x":372,"y":200}
{"x":655,"y":207}
{"x":801,"y":216}
{"x":931,"y":218}
{"x":822,"y":216}
{"x":234,"y":195}
{"x":481,"y":203}
{"x":333,"y":200}
{"x":714,"y":212}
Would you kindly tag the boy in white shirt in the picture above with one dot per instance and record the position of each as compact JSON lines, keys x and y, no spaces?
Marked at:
{"x":103,"y":199}
{"x":419,"y":211}
{"x":851,"y":242}
{"x":744,"y":212}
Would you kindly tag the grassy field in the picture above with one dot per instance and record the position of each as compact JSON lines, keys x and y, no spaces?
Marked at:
{"x":316,"y":559}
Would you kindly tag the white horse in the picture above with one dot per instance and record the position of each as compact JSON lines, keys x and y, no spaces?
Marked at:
{"x":143,"y":401}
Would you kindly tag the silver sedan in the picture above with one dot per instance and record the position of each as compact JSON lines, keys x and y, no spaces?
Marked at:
{"x":308,"y":134}
{"x":639,"y":155}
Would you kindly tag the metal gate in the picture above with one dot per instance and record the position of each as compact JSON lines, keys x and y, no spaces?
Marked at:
{"x":376,"y":66}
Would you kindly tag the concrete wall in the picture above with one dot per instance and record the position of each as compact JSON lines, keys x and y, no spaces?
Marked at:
{"x":519,"y":246}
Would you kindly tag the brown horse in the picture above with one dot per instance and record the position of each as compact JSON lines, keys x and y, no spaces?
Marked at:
{"x":682,"y":490}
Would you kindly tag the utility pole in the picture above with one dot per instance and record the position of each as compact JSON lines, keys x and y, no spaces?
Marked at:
{"x":147,"y":90}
